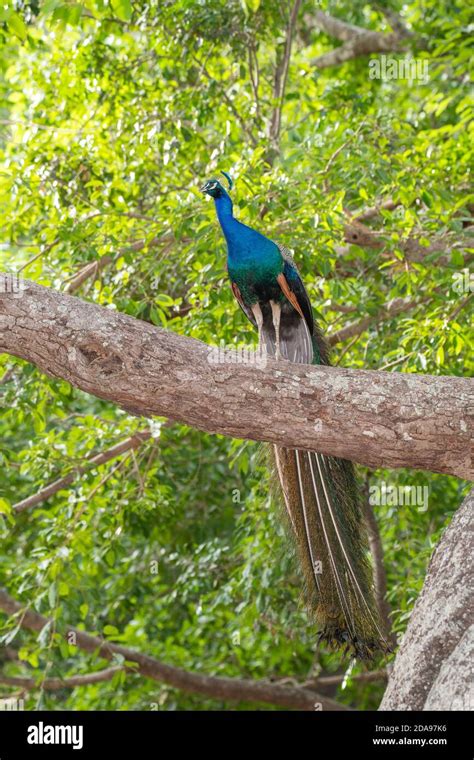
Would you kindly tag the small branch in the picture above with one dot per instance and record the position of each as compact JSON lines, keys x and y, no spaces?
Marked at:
{"x":43,"y":251}
{"x":254,"y":74}
{"x":397,"y":361}
{"x":335,"y":154}
{"x":341,"y":30}
{"x":442,"y":244}
{"x":53,"y":684}
{"x":91,"y":269}
{"x":281,"y":76}
{"x":380,"y":577}
{"x":374,"y":675}
{"x":7,"y":376}
{"x":459,"y":307}
{"x":87,"y":271}
{"x":93,"y":461}
{"x":394,"y":20}
{"x":395,"y":307}
{"x":357,"y":233}
{"x":244,"y":125}
{"x":226,"y":689}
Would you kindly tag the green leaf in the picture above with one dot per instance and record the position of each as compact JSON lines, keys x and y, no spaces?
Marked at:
{"x":52,"y":595}
{"x":110,"y":557}
{"x":63,"y":589}
{"x":457,"y":259}
{"x":123,"y":9}
{"x":5,"y":507}
{"x":18,"y":26}
{"x":110,"y":630}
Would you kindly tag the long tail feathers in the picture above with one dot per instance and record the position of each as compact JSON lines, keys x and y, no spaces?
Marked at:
{"x":321,"y":497}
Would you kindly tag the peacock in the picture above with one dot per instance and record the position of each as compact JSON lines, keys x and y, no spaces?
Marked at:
{"x":320,"y":493}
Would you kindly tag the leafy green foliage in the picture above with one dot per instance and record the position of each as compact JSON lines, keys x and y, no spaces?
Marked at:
{"x":112,"y":115}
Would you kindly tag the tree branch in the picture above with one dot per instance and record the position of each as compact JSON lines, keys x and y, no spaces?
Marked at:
{"x":281,"y":75}
{"x":393,"y":308}
{"x":375,"y":418}
{"x":54,"y":684}
{"x":95,"y":460}
{"x":376,"y":550}
{"x":357,"y":41}
{"x":92,"y":268}
{"x":371,"y":211}
{"x":440,"y":634}
{"x":357,"y":233}
{"x":231,"y":689}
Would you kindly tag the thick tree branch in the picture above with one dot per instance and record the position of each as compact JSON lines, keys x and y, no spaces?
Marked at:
{"x":357,"y":41}
{"x":231,"y":689}
{"x":440,"y":633}
{"x":380,"y":205}
{"x":375,"y":418}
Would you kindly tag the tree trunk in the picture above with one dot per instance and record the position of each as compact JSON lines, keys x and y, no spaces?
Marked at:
{"x":433,"y":668}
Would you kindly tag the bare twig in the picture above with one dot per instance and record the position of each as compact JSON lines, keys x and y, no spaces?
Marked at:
{"x":397,"y":361}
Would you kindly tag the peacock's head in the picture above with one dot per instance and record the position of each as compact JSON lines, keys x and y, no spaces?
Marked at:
{"x":214,"y":188}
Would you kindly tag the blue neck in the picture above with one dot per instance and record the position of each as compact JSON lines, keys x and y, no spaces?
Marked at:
{"x":244,"y":244}
{"x":225,"y":215}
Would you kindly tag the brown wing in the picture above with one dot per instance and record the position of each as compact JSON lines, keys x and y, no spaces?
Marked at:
{"x":283,"y":283}
{"x":240,"y":301}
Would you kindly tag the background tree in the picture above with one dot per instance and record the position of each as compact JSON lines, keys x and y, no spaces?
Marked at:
{"x":112,"y":114}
